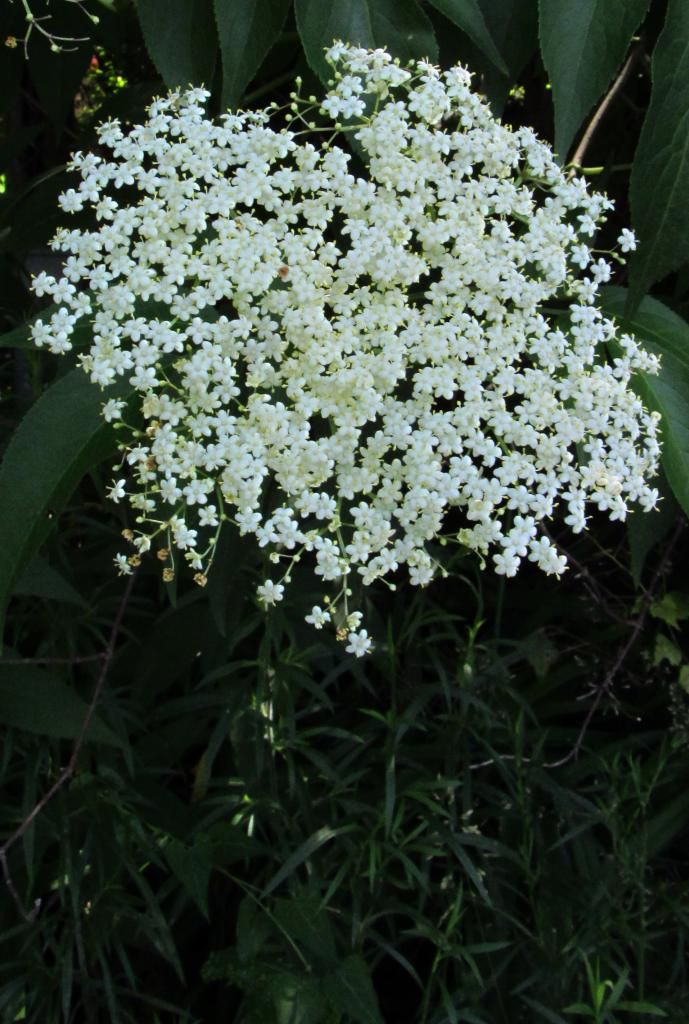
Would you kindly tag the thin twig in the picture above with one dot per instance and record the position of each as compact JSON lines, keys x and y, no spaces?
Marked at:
{"x":593,"y":588}
{"x":578,"y":155}
{"x":606,"y":685}
{"x":69,"y":768}
{"x":80,"y":659}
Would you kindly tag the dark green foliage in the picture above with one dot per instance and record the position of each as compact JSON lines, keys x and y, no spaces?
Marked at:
{"x":483,"y":823}
{"x":583,"y":46}
{"x":400,"y":25}
{"x":272,"y":832}
{"x":660,"y":173}
{"x":61,"y":437}
{"x":667,"y":335}
{"x":246,"y":33}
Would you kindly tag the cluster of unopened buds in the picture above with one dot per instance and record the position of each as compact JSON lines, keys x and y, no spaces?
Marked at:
{"x":351,"y":367}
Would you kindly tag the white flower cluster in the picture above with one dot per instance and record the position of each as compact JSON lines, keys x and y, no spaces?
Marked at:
{"x":350,"y":366}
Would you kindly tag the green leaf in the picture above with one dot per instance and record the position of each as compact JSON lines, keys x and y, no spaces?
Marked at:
{"x":672,"y":607}
{"x":390,"y":795}
{"x":305,"y":921}
{"x":399,"y":25}
{"x":644,"y":532}
{"x":634,"y":1006}
{"x":683,"y":678}
{"x":227,"y":580}
{"x":553,"y":1018}
{"x":666,"y":650}
{"x":254,"y":929}
{"x":18,"y":337}
{"x":39,"y":579}
{"x":660,"y":172}
{"x":247,"y":29}
{"x":583,"y":45}
{"x":467,"y":15}
{"x":62,"y":435}
{"x":303,"y":852}
{"x":181,"y":38}
{"x":663,"y":829}
{"x":36,"y":701}
{"x":513,"y":25}
{"x":667,"y":334}
{"x":192,"y":866}
{"x":469,"y":866}
{"x":351,"y":991}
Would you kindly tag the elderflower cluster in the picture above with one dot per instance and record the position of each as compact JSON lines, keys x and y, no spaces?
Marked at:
{"x":351,"y":366}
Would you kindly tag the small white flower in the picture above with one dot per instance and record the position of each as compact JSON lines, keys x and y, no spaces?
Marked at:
{"x":183,"y":535}
{"x":318,"y":617}
{"x":117,"y":491}
{"x":270,"y":593}
{"x":359,"y":643}
{"x":627,"y":240}
{"x":208,"y":516}
{"x":122,"y":565}
{"x":112,"y":409}
{"x":354,"y":620}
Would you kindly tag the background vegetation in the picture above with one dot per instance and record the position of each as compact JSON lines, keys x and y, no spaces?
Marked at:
{"x":212,"y":814}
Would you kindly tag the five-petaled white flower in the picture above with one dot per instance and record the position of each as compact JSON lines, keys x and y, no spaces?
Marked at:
{"x":270,"y":592}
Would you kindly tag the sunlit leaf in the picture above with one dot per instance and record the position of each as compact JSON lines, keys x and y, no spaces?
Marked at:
{"x":583,"y":44}
{"x":181,"y":37}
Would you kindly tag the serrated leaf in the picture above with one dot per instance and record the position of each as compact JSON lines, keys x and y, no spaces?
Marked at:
{"x":62,"y":436}
{"x":467,"y":15}
{"x":671,"y":608}
{"x":666,"y":650}
{"x":39,"y":702}
{"x":660,"y":172}
{"x":246,"y":29}
{"x":583,"y":44}
{"x":665,"y":333}
{"x":399,"y":25}
{"x":181,"y":38}
{"x":351,"y":991}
